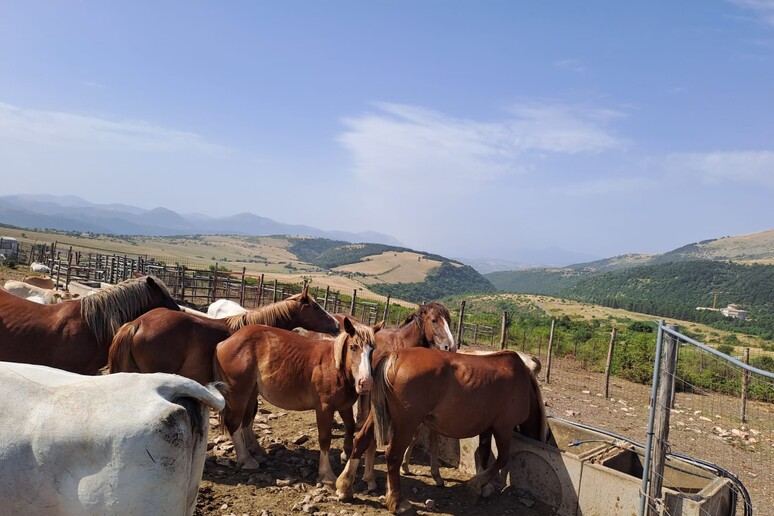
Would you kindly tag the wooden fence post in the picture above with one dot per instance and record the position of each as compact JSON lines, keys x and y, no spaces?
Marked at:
{"x":745,"y":384}
{"x":214,"y":283}
{"x":242,"y":288}
{"x":550,"y":351}
{"x":662,"y":425}
{"x":609,"y":361}
{"x":503,"y":331}
{"x":182,"y":283}
{"x":69,"y":264}
{"x":461,"y":324}
{"x":274,"y":300}
{"x":352,"y":304}
{"x":260,"y":292}
{"x":386,"y":309}
{"x":325,"y":301}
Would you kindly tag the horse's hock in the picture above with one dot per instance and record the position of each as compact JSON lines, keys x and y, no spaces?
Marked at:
{"x":596,"y":477}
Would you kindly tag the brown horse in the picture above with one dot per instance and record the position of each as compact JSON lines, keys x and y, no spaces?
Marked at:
{"x":75,"y":335}
{"x":182,"y":343}
{"x":427,"y":327}
{"x":294,"y":372}
{"x":455,"y":395}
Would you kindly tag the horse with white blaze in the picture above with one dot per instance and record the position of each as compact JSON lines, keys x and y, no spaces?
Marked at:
{"x":117,"y":444}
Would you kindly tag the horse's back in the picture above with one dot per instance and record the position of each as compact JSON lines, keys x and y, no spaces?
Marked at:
{"x":113,"y":444}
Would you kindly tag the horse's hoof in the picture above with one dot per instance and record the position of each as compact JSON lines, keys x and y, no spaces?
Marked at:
{"x":250,"y":464}
{"x":474,"y":488}
{"x":345,"y":495}
{"x":371,"y":486}
{"x":405,"y":469}
{"x":438,"y":481}
{"x":487,"y":490}
{"x":404,"y":507}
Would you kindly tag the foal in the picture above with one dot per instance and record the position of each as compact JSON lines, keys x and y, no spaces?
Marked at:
{"x":455,"y":395}
{"x":294,"y":372}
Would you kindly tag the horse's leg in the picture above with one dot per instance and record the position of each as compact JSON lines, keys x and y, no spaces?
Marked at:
{"x":400,"y":440}
{"x":405,"y":465}
{"x":348,"y":418}
{"x":233,"y":415}
{"x":251,"y":441}
{"x":324,"y":430}
{"x":368,"y":470}
{"x":503,"y":439}
{"x":435,"y":471}
{"x":363,"y":442}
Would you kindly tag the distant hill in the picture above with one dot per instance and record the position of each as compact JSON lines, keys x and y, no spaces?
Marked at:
{"x":756,"y":248}
{"x":390,"y":270}
{"x":671,"y":284}
{"x":71,"y":213}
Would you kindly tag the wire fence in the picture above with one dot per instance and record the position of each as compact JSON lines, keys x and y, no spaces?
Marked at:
{"x":717,"y":407}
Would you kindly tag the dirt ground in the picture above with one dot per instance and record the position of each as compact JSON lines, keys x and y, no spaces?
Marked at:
{"x":286,"y":482}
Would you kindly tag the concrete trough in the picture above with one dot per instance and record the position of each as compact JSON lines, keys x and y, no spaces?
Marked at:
{"x":599,"y":476}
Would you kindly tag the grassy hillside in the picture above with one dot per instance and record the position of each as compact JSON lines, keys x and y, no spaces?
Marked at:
{"x":334,"y":263}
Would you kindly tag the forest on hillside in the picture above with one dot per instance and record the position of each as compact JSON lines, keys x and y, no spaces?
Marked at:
{"x":677,"y":289}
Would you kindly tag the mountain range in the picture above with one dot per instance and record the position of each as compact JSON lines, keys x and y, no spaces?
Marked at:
{"x":71,"y":213}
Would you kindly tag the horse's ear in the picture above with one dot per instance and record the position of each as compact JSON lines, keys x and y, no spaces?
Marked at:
{"x":150,"y":281}
{"x":378,"y":326}
{"x":349,"y":327}
{"x":305,"y":292}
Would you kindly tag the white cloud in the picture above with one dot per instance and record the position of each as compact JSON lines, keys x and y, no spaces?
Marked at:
{"x":400,"y":146}
{"x":750,"y":167}
{"x":79,"y":132}
{"x":764,"y":9}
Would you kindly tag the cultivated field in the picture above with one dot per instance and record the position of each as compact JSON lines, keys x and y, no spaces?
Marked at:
{"x":391,"y":267}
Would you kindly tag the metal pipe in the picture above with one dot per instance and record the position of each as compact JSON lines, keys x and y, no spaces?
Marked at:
{"x":714,"y":351}
{"x":651,"y":418}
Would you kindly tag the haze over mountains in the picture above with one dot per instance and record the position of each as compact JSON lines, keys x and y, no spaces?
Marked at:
{"x":71,"y":213}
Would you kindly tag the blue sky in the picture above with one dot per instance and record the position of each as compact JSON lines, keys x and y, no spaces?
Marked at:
{"x":470,"y":129}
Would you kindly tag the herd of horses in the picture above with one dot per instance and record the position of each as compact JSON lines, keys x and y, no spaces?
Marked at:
{"x":399,"y":377}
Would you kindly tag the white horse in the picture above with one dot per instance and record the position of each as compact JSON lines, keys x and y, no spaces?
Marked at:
{"x":25,"y":290}
{"x":39,"y":267}
{"x":2,"y":259}
{"x":123,"y":443}
{"x":224,"y":308}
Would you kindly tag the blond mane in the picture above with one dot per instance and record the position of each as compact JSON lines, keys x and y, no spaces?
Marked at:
{"x":106,"y":310}
{"x":270,"y":315}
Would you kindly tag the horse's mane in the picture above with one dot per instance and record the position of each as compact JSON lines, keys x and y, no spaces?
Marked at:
{"x":106,"y":310}
{"x":363,"y":333}
{"x":417,"y":316}
{"x":270,"y":315}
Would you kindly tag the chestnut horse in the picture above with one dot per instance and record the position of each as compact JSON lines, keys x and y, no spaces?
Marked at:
{"x":75,"y":335}
{"x":455,"y":395}
{"x":182,"y":343}
{"x":427,"y":327}
{"x":294,"y":372}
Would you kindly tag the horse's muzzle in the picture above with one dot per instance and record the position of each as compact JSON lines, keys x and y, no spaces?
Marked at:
{"x":364,"y":385}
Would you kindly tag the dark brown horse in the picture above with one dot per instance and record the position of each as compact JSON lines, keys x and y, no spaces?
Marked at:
{"x":294,"y":372}
{"x":455,"y":395}
{"x":75,"y":335}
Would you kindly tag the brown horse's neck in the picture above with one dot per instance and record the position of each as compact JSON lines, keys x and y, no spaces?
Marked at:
{"x":278,"y":315}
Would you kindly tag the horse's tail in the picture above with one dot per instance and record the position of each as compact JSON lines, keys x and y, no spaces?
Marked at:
{"x":379,"y":393}
{"x":541,"y":409}
{"x":223,"y":387}
{"x":120,"y":359}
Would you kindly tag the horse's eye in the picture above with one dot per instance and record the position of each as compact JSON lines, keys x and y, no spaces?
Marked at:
{"x":352,"y":347}
{"x":433,"y":320}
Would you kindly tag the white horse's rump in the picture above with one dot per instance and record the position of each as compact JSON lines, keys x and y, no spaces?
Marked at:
{"x":117,"y":444}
